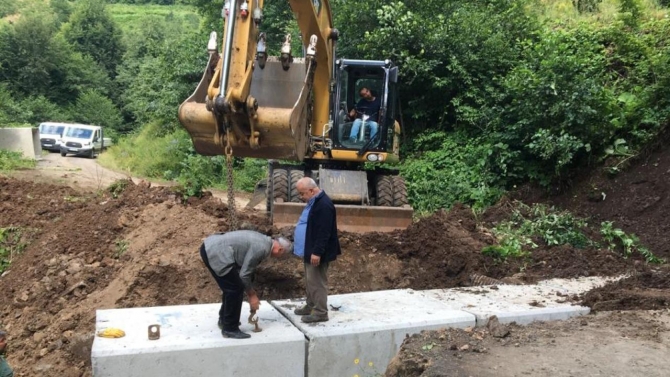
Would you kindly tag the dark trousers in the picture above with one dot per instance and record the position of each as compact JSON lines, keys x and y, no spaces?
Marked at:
{"x":232,"y":295}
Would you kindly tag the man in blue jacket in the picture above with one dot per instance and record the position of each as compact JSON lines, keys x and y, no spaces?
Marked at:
{"x":315,"y":240}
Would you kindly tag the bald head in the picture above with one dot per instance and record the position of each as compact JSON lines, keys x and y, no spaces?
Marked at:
{"x":307,"y":189}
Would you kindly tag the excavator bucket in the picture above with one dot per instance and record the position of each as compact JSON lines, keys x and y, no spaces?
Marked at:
{"x":282,"y":96}
{"x":350,"y":218}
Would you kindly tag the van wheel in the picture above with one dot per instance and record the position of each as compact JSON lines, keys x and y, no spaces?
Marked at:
{"x":63,"y":153}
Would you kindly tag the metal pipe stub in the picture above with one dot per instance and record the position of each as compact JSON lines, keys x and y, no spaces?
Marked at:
{"x":154,"y":332}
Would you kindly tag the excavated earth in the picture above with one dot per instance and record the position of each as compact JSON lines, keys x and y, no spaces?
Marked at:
{"x":134,"y":245}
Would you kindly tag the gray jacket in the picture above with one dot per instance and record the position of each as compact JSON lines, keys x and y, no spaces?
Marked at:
{"x":241,"y":249}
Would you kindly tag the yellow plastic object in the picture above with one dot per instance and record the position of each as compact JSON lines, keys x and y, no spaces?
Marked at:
{"x":111,"y":332}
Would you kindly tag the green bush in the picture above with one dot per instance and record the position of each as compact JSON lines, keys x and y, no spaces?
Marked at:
{"x":629,"y":243}
{"x":538,"y":221}
{"x":457,"y":170}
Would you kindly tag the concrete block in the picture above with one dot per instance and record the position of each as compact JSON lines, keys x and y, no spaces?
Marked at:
{"x":510,"y":303}
{"x":367,"y":329}
{"x":25,"y":140}
{"x":191,"y":344}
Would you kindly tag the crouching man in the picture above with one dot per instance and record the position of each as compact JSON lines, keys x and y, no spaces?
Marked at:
{"x":232,"y":258}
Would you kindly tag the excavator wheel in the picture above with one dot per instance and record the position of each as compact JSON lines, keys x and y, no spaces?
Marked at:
{"x":384,"y":191}
{"x":296,"y":175}
{"x":399,"y":192}
{"x":280,"y":185}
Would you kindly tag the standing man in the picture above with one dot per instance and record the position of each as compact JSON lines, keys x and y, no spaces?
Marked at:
{"x":5,"y":370}
{"x":232,"y":258}
{"x":315,"y":240}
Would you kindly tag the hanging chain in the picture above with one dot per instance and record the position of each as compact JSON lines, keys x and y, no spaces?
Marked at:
{"x":232,"y":209}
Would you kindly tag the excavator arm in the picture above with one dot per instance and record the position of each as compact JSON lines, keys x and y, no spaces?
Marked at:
{"x":263,"y":108}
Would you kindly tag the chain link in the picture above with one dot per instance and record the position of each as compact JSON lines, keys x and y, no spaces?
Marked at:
{"x":232,"y":209}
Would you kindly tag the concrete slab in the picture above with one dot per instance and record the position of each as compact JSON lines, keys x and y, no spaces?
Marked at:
{"x":367,"y":329}
{"x":510,"y":303}
{"x":191,"y":344}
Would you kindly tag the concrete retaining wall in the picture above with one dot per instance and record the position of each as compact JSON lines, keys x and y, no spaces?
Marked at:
{"x":25,"y":140}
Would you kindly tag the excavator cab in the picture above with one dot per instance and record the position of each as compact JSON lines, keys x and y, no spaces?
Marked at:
{"x":359,"y":123}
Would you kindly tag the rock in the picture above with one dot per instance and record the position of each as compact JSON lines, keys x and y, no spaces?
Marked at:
{"x":43,"y":352}
{"x":41,"y":368}
{"x":496,"y":329}
{"x":464,"y":348}
{"x":39,"y":336}
{"x":55,"y":345}
{"x":74,"y":267}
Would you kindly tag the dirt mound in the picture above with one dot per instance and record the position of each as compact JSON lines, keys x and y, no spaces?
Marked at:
{"x":645,"y":291}
{"x":637,"y":199}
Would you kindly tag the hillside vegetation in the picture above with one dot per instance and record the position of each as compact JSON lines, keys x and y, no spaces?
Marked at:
{"x":494,"y":93}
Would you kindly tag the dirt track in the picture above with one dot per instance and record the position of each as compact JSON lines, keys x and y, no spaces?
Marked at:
{"x":89,"y":248}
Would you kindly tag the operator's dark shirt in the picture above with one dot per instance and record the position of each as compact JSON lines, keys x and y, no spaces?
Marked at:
{"x":369,"y":107}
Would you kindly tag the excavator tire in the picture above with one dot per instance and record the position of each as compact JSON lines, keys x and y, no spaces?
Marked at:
{"x":280,"y":185}
{"x":399,"y":192}
{"x":296,"y":175}
{"x":384,"y":188}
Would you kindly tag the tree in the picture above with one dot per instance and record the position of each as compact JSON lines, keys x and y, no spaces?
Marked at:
{"x":27,"y":56}
{"x":92,"y":31}
{"x":94,"y":108}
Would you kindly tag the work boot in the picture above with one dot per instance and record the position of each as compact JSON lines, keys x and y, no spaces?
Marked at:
{"x":220,"y":324}
{"x":237,"y":334}
{"x":303,"y":310}
{"x":314,"y":318}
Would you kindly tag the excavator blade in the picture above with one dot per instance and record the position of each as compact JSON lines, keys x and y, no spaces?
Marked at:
{"x":350,"y":218}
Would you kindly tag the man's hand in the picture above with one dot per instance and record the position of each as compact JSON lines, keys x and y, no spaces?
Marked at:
{"x":254,"y":302}
{"x":315,"y":260}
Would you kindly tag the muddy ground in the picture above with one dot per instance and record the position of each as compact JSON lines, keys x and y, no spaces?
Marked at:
{"x":95,"y":245}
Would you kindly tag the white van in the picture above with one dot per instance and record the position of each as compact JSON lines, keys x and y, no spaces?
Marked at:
{"x":83,"y":140}
{"x":50,"y":134}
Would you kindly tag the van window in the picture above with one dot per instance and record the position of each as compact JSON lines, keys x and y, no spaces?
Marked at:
{"x":79,"y":133}
{"x":51,"y":129}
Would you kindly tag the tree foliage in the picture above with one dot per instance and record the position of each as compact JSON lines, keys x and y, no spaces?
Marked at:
{"x":91,"y":30}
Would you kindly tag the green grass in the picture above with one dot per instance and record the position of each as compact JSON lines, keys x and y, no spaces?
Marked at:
{"x":145,"y":154}
{"x":10,"y":160}
{"x":11,"y":245}
{"x":130,"y":17}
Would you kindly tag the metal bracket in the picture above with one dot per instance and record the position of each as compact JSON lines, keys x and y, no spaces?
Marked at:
{"x":253,"y":319}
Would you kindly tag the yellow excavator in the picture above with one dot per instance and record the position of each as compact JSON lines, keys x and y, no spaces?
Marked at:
{"x":295,"y":112}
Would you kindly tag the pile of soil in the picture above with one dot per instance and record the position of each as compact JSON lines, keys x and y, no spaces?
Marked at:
{"x":645,"y":291}
{"x":637,"y":199}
